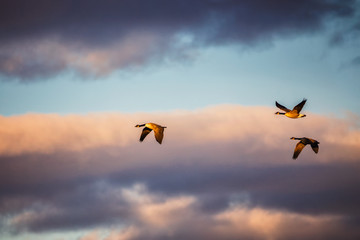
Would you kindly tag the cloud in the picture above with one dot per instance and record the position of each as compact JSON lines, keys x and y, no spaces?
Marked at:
{"x":91,"y":236}
{"x":222,"y":167}
{"x":96,"y":39}
{"x":356,"y":61}
{"x":36,"y":133}
{"x":42,"y":58}
{"x":157,"y":216}
{"x":234,"y":222}
{"x":48,"y":133}
{"x":269,"y":224}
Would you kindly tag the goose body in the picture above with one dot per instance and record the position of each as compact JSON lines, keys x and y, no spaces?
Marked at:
{"x":148,"y":127}
{"x":295,"y":113}
{"x":303,"y":142}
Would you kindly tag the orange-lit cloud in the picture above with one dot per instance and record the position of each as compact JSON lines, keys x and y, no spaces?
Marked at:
{"x":257,"y":127}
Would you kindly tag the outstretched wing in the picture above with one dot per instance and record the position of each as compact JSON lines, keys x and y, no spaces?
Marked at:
{"x":315,"y":147}
{"x":300,"y":105}
{"x":159,"y":134}
{"x":144,"y":133}
{"x":282,"y":107}
{"x":298,"y":149}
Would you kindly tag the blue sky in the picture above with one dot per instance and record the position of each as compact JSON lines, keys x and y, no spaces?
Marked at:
{"x":283,"y":70}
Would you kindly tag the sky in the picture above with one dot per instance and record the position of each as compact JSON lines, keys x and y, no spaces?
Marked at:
{"x":77,"y":76}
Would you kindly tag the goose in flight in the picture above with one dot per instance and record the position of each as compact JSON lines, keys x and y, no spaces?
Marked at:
{"x":303,"y":142}
{"x":295,"y":113}
{"x":158,"y":131}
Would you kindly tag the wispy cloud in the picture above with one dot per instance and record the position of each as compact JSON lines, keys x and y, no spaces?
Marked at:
{"x":356,"y":61}
{"x":36,"y":59}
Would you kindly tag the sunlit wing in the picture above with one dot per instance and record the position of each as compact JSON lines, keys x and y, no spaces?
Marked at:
{"x":159,"y":134}
{"x":282,"y":107}
{"x":300,"y":106}
{"x":144,"y":133}
{"x":315,"y":147}
{"x":298,"y":149}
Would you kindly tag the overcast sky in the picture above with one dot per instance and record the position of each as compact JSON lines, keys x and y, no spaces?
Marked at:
{"x":77,"y":76}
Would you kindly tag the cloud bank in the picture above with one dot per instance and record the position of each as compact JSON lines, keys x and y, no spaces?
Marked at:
{"x":222,"y":172}
{"x":41,"y":39}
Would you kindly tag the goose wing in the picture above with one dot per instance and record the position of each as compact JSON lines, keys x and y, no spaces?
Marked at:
{"x":282,"y":107}
{"x":315,"y":147}
{"x":159,"y":134}
{"x":144,"y":133}
{"x":299,"y":147}
{"x":300,"y":106}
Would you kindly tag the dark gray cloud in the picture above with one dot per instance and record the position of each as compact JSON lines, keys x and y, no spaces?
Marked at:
{"x":81,"y":35}
{"x":356,"y":61}
{"x":91,"y":21}
{"x":81,"y":199}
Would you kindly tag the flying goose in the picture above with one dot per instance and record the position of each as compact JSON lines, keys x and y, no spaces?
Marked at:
{"x":158,"y":131}
{"x":295,"y":113}
{"x":303,"y":142}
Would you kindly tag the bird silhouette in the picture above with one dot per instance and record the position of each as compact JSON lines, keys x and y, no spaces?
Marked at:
{"x":148,"y":127}
{"x":303,"y":142}
{"x":295,"y":113}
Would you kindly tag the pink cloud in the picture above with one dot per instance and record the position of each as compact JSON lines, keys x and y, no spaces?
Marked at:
{"x":272,"y":224}
{"x":254,"y":129}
